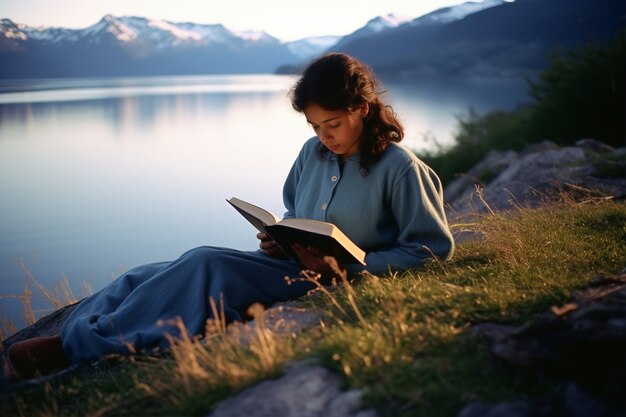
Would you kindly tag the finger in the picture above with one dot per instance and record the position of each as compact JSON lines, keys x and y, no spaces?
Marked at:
{"x":308,"y":251}
{"x":303,"y":256}
{"x":315,"y":251}
{"x":305,"y":253}
{"x":267,"y":244}
{"x":275,"y":251}
{"x":297,"y":249}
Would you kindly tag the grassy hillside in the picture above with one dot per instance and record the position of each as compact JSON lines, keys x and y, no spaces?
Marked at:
{"x":402,"y":338}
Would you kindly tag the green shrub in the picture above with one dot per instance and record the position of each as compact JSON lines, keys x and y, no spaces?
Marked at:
{"x":581,"y":94}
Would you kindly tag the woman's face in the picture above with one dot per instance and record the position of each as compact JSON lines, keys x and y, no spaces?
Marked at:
{"x":339,"y":130}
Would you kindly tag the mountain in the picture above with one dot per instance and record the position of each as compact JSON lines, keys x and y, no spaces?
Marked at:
{"x":374,"y":27}
{"x":125,"y":45}
{"x":136,"y":46}
{"x":491,"y":38}
{"x":505,"y":39}
{"x":450,"y":14}
{"x":139,"y":46}
{"x":392,"y":21}
{"x":316,"y":46}
{"x":309,"y":47}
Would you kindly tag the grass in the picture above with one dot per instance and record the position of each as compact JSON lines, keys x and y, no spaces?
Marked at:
{"x":402,"y":338}
{"x":57,"y":297}
{"x":613,"y":166}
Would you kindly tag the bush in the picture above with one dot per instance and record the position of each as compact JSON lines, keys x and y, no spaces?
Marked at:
{"x":580,"y":95}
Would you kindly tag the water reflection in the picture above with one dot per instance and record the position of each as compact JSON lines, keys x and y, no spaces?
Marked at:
{"x":127,"y":117}
{"x":75,"y":89}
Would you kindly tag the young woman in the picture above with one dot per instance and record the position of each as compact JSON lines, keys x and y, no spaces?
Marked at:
{"x":352,"y":173}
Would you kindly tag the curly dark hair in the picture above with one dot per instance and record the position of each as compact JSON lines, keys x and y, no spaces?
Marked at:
{"x":337,"y":81}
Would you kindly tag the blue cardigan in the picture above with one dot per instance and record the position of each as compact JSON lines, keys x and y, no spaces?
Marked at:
{"x":395,"y":214}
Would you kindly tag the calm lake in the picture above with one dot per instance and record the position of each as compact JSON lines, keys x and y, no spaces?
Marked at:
{"x":100,"y":175}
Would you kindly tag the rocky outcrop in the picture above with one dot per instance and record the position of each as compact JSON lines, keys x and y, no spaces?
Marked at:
{"x":538,"y":174}
{"x":580,"y":344}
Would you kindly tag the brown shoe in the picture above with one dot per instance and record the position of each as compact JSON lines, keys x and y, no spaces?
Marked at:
{"x":38,"y":356}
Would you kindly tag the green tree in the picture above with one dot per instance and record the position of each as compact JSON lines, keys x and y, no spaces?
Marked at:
{"x":582,"y":95}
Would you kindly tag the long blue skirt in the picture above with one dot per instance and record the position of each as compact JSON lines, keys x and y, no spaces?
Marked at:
{"x":139,"y":308}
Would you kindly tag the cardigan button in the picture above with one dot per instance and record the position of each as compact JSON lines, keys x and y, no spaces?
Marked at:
{"x":324,"y":206}
{"x":333,"y":178}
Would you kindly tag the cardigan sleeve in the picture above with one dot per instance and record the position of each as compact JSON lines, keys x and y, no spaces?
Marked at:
{"x":423,"y":232}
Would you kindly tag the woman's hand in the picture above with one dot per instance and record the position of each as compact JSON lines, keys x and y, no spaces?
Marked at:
{"x":269,"y":247}
{"x":316,"y":261}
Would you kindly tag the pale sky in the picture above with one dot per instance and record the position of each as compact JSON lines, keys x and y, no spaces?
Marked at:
{"x":284,"y":19}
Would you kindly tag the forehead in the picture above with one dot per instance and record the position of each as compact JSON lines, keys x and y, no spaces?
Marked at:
{"x":316,"y":114}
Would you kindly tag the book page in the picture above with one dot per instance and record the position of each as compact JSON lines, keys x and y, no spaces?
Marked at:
{"x":257,"y":216}
{"x":315,"y":226}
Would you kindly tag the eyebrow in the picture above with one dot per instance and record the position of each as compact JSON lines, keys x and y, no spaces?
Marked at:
{"x":324,"y":121}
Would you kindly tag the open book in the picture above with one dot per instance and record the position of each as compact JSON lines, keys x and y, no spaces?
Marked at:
{"x":324,"y":236}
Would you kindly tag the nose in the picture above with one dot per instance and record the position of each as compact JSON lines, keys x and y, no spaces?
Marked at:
{"x":324,"y":136}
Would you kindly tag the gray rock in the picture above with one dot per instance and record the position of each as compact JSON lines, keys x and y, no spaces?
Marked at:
{"x":282,"y":318}
{"x":304,"y":390}
{"x":590,"y":329}
{"x":543,"y":146}
{"x":580,"y":344}
{"x":482,"y":173}
{"x":538,"y":177}
{"x":521,"y":408}
{"x":592,"y":146}
{"x":580,"y":404}
{"x":533,"y":163}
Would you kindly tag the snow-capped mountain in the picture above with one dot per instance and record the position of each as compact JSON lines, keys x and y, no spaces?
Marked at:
{"x":494,"y":38}
{"x":18,"y":32}
{"x":52,"y":35}
{"x":254,"y":35}
{"x":381,"y":23}
{"x":155,"y":32}
{"x":393,"y":21}
{"x":373,"y":27}
{"x":450,"y":14}
{"x":487,"y":38}
{"x":309,"y":47}
{"x":131,"y":45}
{"x":11,"y":31}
